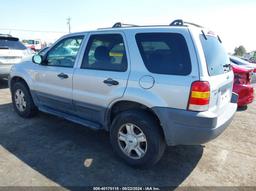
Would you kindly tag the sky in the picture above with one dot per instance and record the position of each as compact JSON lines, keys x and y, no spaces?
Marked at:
{"x":232,"y":20}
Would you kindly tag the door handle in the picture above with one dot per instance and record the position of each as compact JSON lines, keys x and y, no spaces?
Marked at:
{"x":111,"y":82}
{"x":62,"y":76}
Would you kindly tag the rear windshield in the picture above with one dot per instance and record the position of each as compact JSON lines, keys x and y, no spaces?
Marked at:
{"x":11,"y":43}
{"x":238,"y":61}
{"x":217,"y":59}
{"x":164,"y":53}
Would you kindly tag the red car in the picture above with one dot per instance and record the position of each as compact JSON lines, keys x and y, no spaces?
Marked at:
{"x":242,"y":85}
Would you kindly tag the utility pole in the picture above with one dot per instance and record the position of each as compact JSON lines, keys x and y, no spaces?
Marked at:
{"x":69,"y":25}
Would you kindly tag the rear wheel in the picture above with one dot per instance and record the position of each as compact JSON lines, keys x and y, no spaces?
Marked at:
{"x":136,"y":137}
{"x":22,"y":100}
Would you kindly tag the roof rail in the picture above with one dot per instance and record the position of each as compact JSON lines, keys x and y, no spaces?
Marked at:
{"x":193,"y":24}
{"x":119,"y":25}
{"x":180,"y":22}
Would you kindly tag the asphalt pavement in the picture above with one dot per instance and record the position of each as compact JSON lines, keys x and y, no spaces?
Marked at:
{"x":50,"y":151}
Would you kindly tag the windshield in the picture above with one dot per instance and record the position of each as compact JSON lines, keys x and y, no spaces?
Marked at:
{"x":11,"y":43}
{"x":217,"y":59}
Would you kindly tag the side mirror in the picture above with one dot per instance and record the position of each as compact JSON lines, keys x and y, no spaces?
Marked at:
{"x":37,"y":59}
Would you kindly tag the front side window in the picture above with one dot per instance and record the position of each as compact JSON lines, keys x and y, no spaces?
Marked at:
{"x":64,"y":53}
{"x":164,"y":53}
{"x":105,"y":52}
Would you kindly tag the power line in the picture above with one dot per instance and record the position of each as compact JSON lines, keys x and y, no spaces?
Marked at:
{"x":27,"y":30}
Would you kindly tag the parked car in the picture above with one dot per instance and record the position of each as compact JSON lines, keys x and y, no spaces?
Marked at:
{"x":242,"y":85}
{"x":252,"y":60}
{"x":34,"y":44}
{"x":244,"y":64}
{"x":12,"y":51}
{"x":148,"y":86}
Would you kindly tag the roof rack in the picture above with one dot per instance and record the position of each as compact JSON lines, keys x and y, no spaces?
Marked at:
{"x":177,"y":22}
{"x":180,"y":22}
{"x":120,"y":25}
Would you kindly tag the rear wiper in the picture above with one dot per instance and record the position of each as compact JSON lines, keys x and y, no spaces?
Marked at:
{"x":219,"y":39}
{"x":204,"y":35}
{"x":226,"y":65}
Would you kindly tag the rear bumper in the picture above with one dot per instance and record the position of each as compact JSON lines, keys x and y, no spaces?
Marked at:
{"x":183,"y":127}
{"x":245,"y":94}
{"x":5,"y":70}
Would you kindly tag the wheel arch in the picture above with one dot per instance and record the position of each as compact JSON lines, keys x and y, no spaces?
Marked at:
{"x":15,"y":79}
{"x":124,"y":105}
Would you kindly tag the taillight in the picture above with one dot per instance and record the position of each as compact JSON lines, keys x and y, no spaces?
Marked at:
{"x":250,"y":77}
{"x":199,"y":96}
{"x":242,"y":78}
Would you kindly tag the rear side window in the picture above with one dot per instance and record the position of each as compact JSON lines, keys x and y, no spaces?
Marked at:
{"x":11,"y":43}
{"x":105,"y":52}
{"x":217,"y":59}
{"x":164,"y":53}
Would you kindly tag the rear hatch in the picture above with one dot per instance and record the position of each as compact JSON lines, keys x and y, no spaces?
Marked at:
{"x":11,"y":50}
{"x":220,"y":75}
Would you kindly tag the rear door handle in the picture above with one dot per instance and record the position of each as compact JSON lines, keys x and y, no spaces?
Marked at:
{"x":111,"y":82}
{"x":62,"y":76}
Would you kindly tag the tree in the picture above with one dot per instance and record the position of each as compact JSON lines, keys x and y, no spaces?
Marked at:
{"x":240,"y":51}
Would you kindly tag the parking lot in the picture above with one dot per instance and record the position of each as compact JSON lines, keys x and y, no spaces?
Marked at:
{"x":49,"y":151}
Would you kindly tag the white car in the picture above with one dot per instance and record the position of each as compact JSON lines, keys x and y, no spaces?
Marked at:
{"x":35,"y":45}
{"x":12,"y":51}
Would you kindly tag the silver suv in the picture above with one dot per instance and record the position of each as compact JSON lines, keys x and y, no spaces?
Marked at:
{"x":149,"y":86}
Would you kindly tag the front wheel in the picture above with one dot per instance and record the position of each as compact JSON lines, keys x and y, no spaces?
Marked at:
{"x":22,"y":100}
{"x":137,"y":138}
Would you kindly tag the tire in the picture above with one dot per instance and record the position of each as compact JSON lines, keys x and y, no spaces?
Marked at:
{"x":152,"y":144}
{"x":25,"y":108}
